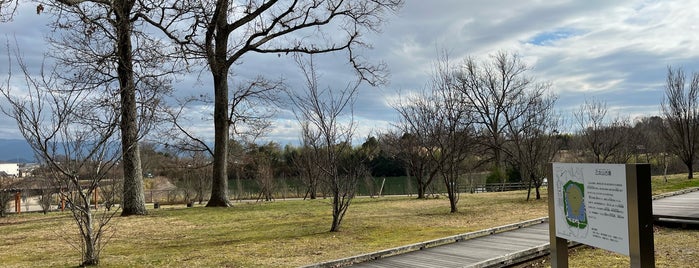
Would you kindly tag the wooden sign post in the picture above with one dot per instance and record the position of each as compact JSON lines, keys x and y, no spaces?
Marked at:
{"x":608,"y":206}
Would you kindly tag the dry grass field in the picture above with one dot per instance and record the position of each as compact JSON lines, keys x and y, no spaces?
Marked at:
{"x":295,"y":233}
{"x":275,"y":234}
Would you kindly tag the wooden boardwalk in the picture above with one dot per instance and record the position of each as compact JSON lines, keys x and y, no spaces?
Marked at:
{"x":504,"y":245}
{"x":680,"y":207}
{"x":486,"y":251}
{"x":491,"y":247}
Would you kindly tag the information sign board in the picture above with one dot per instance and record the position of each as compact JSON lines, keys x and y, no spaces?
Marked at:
{"x":591,"y":206}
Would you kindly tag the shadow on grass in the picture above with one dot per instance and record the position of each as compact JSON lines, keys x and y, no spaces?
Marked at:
{"x":18,"y":219}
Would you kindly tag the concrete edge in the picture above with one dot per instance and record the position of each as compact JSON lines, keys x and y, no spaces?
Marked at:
{"x":423,"y":245}
{"x":680,"y":192}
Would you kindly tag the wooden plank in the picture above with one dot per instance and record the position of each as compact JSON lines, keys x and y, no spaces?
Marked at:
{"x":426,"y":244}
{"x":425,"y":259}
{"x":469,"y":252}
{"x":684,"y":207}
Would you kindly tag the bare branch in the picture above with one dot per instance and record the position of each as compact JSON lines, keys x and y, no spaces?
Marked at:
{"x":8,"y":9}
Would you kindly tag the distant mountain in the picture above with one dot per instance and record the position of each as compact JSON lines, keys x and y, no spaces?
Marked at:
{"x":15,"y":151}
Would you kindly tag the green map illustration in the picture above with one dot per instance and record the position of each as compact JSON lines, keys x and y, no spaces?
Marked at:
{"x":574,"y":204}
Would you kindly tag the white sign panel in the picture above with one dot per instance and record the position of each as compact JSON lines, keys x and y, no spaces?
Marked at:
{"x":591,"y":205}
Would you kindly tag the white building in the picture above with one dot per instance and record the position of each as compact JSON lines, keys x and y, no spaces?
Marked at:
{"x":11,"y":169}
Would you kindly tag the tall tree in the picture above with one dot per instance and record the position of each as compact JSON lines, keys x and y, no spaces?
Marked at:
{"x":444,"y":123}
{"x":222,"y":32}
{"x":532,"y":143}
{"x":452,"y":133}
{"x":496,"y":87}
{"x":87,"y":25}
{"x":680,"y":110}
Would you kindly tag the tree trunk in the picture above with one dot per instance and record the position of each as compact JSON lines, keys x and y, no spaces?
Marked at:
{"x":537,"y":185}
{"x":217,"y":54}
{"x":90,"y":256}
{"x":529,"y":189}
{"x":312,"y":189}
{"x":665,"y":169}
{"x":452,"y":192}
{"x":336,"y":211}
{"x":452,"y":203}
{"x":133,"y":200}
{"x":219,"y":183}
{"x":690,"y":170}
{"x":421,"y":188}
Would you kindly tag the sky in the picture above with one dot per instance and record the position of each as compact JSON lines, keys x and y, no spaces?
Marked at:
{"x":614,"y":51}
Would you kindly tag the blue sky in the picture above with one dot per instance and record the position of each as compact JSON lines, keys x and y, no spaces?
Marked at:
{"x":616,"y":51}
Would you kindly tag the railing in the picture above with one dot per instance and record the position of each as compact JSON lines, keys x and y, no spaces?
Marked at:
{"x":496,"y":187}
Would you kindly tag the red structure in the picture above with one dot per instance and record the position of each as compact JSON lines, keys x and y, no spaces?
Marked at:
{"x":18,"y":202}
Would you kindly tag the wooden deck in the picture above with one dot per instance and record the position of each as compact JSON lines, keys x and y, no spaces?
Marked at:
{"x":681,"y":208}
{"x":505,"y":245}
{"x":487,"y":251}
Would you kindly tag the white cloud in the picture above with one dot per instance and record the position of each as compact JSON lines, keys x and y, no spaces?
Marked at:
{"x":617,"y":51}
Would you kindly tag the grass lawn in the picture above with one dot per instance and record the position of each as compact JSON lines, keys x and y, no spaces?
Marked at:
{"x":674,"y":183}
{"x":276,"y":234}
{"x":294,"y":233}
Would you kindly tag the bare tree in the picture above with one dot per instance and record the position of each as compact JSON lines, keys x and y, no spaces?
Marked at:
{"x":222,"y":32}
{"x":189,"y":171}
{"x":110,"y":189}
{"x":416,"y":117}
{"x":264,"y":176}
{"x":199,"y":170}
{"x":680,"y":109}
{"x":443,"y":123}
{"x":452,"y":133}
{"x":264,"y":166}
{"x":329,"y":128}
{"x":249,"y":114}
{"x":134,"y":67}
{"x":73,"y":134}
{"x":494,"y":88}
{"x":531,"y":141}
{"x":306,"y":162}
{"x":652,"y":143}
{"x":603,"y":140}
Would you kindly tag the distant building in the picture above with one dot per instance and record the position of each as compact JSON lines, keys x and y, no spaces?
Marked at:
{"x":11,"y":169}
{"x":26,"y":169}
